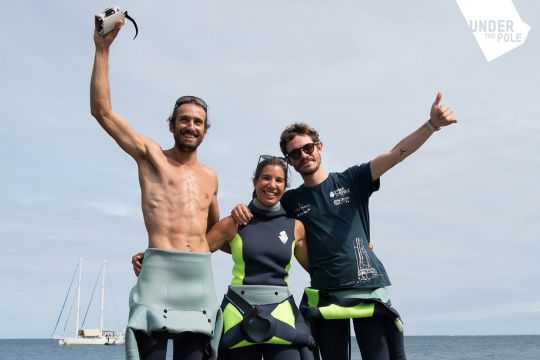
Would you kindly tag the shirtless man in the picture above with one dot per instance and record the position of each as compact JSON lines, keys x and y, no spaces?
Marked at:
{"x":179,"y":204}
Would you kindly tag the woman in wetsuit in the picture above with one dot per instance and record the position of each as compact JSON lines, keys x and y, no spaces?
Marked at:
{"x":259,"y":315}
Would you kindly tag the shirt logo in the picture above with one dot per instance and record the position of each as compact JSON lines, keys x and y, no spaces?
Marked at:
{"x":283,"y":237}
{"x":340,"y":196}
{"x":302,"y":210}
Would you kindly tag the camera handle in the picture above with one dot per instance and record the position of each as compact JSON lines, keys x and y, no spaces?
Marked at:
{"x":134,"y":24}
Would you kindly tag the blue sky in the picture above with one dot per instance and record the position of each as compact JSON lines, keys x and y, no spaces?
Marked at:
{"x":456,"y":225}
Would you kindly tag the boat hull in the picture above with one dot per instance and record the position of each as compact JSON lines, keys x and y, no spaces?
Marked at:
{"x":91,"y":341}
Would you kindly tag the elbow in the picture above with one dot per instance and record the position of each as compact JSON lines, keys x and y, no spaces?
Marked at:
{"x":99,"y":108}
{"x":99,"y":113}
{"x":96,"y":111}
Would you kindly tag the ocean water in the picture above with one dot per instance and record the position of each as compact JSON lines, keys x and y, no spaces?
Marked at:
{"x":417,"y":347}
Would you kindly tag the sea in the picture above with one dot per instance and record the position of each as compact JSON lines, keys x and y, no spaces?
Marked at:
{"x":417,"y":348}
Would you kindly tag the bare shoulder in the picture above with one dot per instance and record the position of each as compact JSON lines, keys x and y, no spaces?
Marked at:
{"x":208,"y":170}
{"x":210,"y":174}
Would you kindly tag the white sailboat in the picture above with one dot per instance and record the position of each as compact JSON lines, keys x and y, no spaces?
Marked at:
{"x":83,"y":336}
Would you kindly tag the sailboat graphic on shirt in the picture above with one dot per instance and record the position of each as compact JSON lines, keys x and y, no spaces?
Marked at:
{"x":365,"y":270}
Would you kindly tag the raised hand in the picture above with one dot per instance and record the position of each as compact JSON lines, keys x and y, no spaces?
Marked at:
{"x":441,"y":115}
{"x":104,"y":42}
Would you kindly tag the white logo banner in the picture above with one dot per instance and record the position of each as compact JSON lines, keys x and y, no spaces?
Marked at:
{"x":496,"y":25}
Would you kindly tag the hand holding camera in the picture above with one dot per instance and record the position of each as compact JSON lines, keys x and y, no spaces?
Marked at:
{"x":107,"y":20}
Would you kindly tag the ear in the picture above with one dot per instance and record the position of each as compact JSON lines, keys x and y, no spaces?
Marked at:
{"x":320,"y":145}
{"x":205,"y":123}
{"x":171,"y":126}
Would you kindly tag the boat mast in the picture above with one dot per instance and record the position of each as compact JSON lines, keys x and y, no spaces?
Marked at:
{"x":78,"y":298}
{"x":102,"y":294}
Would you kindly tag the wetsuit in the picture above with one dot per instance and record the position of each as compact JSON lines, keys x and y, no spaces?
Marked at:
{"x":336,"y":217}
{"x":174,"y":298}
{"x":262,"y":252}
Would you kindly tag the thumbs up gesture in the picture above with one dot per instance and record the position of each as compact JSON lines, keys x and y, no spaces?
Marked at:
{"x":441,"y":115}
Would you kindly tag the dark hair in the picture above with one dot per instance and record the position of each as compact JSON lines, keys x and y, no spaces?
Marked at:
{"x":188,"y":99}
{"x":291,"y":131}
{"x":274,"y":160}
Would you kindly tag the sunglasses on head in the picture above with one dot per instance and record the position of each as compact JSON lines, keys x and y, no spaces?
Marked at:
{"x":191,"y":99}
{"x":297,"y":153}
{"x":271,"y":158}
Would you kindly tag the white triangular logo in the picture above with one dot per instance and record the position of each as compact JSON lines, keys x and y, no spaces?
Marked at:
{"x":283,"y":237}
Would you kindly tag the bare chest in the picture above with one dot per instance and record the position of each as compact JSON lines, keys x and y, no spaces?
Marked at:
{"x":178,"y":189}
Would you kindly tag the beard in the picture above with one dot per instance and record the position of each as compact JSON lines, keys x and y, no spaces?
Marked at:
{"x":310,"y":171}
{"x":186,"y":146}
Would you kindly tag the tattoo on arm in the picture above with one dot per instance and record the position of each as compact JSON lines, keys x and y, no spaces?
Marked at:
{"x":401,"y":151}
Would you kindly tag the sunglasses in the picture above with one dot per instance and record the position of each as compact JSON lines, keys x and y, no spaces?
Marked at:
{"x":307,"y":149}
{"x":271,"y":158}
{"x":191,"y":99}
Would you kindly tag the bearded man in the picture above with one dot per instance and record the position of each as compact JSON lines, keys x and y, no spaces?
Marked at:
{"x":174,"y":296}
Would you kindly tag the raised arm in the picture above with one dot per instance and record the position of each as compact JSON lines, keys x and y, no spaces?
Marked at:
{"x":300,"y":249}
{"x":100,"y":100}
{"x":221,"y":233}
{"x":440,"y":116}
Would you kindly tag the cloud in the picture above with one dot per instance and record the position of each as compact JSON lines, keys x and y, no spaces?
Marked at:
{"x":113,"y":208}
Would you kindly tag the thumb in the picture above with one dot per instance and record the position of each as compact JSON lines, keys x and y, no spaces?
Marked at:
{"x":438,"y":98}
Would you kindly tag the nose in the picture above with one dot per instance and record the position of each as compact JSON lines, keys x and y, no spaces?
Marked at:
{"x":303,"y":154}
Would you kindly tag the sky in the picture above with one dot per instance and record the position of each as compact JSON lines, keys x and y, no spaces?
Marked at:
{"x":456,"y":224}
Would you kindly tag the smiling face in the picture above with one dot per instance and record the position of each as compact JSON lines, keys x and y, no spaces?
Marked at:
{"x":270,"y":185}
{"x":306,"y":164}
{"x":189,"y":127}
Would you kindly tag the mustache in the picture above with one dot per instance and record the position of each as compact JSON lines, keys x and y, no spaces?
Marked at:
{"x":190,"y":132}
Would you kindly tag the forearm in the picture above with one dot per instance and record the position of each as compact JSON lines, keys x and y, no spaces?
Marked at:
{"x":439,"y":116}
{"x":100,"y":98}
{"x":301,"y":255}
{"x":101,"y":108}
{"x":216,"y":242}
{"x":301,"y":248}
{"x":400,"y":152}
{"x":213,"y":213}
{"x":221,"y":233}
{"x":408,"y":145}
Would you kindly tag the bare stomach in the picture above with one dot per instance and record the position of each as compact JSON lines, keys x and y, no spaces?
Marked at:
{"x":173,"y":231}
{"x":178,"y":242}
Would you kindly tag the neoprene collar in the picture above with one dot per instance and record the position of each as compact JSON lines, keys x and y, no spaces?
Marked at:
{"x":257,"y":208}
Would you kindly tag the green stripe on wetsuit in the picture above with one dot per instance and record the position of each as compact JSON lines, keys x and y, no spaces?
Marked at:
{"x":262,"y":250}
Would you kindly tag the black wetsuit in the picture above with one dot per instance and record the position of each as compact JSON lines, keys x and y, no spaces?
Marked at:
{"x":262,"y":252}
